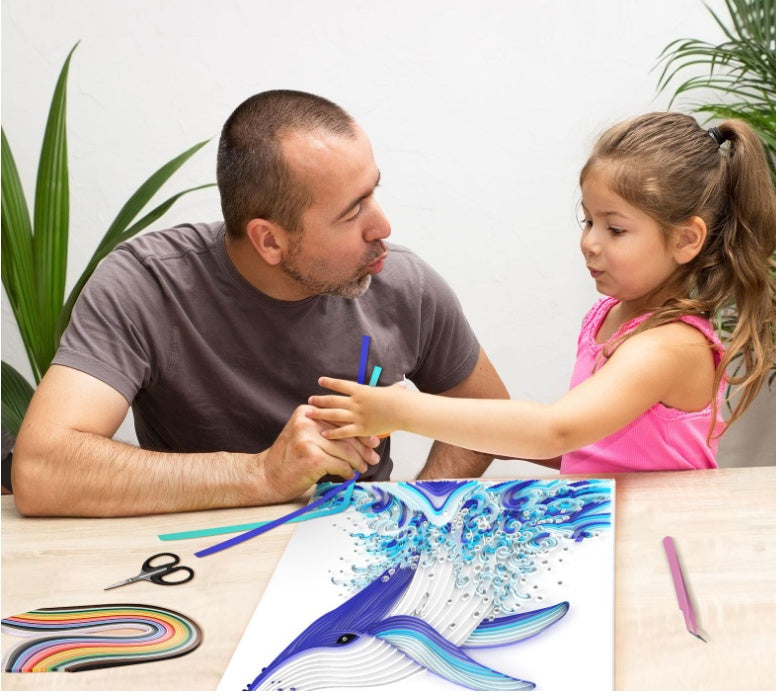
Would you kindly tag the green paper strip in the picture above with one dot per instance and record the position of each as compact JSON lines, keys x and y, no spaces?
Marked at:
{"x":375,"y":375}
{"x":236,"y":528}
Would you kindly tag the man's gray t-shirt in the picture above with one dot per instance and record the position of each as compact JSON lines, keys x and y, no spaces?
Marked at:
{"x":209,"y":363}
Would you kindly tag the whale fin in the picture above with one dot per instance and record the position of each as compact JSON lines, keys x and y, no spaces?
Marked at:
{"x":427,"y":647}
{"x":510,"y":629}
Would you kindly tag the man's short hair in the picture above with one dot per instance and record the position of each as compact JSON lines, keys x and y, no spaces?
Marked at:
{"x":254,"y":179}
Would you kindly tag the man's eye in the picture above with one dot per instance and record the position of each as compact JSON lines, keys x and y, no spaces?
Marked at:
{"x":354,"y":213}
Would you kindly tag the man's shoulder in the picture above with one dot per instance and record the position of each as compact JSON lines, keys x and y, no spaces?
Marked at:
{"x":170,"y":243}
{"x":402,"y":262}
{"x":402,"y":252}
{"x":408,"y":280}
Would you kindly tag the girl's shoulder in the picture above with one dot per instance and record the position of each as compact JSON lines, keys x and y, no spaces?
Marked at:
{"x":683,"y":332}
{"x":704,"y":326}
{"x":684,"y":329}
{"x":687,"y":325}
{"x":678,"y":331}
{"x":673,"y":362}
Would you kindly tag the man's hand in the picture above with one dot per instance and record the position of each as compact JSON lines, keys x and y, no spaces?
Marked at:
{"x":66,"y":462}
{"x":301,"y":455}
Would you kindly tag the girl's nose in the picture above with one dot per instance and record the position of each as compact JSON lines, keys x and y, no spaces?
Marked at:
{"x":589,"y":243}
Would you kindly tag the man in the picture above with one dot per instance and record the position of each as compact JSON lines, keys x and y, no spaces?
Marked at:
{"x":216,"y":335}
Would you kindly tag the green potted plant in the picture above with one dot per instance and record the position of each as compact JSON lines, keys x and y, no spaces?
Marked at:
{"x":34,"y":248}
{"x":735,"y":79}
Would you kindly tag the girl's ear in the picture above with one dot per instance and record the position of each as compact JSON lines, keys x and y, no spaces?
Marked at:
{"x":267,"y":238}
{"x":688,"y":239}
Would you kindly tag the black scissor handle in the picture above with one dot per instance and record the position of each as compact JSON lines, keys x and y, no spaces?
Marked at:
{"x":161,"y":577}
{"x":166,"y":569}
{"x":149,"y":566}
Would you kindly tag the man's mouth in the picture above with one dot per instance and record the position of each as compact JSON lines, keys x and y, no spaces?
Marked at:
{"x":376,"y":266}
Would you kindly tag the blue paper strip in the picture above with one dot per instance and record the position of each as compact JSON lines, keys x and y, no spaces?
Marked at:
{"x":364,"y":356}
{"x":236,"y":528}
{"x":277,"y":522}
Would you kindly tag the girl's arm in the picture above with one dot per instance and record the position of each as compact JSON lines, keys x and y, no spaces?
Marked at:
{"x":670,"y":364}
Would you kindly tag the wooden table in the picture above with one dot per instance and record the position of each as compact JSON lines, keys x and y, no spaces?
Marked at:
{"x":723,"y":522}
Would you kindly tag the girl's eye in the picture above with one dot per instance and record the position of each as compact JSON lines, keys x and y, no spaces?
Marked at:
{"x":585,"y":223}
{"x":615,"y":231}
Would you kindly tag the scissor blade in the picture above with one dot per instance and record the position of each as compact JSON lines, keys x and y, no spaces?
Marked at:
{"x":121,"y":584}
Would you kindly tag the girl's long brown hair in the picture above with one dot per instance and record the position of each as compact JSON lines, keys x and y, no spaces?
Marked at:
{"x":667,"y":165}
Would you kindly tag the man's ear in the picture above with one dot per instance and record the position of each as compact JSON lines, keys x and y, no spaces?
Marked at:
{"x":688,"y":239}
{"x":267,"y":238}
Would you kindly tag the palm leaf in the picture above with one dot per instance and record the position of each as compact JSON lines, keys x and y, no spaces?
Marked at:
{"x":34,"y":254}
{"x":114,"y":237}
{"x":16,"y":396}
{"x":17,"y":257}
{"x":143,"y":195}
{"x":740,"y":73}
{"x":52,"y":215}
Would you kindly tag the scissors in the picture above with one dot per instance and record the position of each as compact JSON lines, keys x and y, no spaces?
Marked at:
{"x":158,"y":573}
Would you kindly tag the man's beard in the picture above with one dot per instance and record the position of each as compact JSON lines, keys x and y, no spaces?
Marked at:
{"x":349,"y":289}
{"x":352,"y":288}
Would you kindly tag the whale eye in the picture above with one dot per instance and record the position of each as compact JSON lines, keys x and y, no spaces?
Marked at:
{"x":346,"y":638}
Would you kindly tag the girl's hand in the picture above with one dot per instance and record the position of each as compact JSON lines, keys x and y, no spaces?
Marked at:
{"x":361,"y":410}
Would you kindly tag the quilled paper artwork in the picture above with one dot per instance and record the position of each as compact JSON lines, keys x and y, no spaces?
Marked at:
{"x":452,"y":585}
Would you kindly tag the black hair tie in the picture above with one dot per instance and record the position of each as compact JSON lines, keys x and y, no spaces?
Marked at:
{"x":716,"y":134}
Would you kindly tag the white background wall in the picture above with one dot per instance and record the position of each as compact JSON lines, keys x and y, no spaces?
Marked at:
{"x":480,"y":114}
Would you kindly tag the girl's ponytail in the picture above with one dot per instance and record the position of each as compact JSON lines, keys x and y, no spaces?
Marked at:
{"x":747,"y":231}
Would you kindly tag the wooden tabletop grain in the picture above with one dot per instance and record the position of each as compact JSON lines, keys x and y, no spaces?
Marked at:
{"x":723,"y":523}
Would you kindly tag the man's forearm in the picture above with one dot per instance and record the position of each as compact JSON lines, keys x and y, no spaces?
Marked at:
{"x":64,"y":471}
{"x":445,"y":461}
{"x":84,"y":474}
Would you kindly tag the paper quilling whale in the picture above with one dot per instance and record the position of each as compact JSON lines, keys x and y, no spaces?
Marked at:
{"x":441,"y":571}
{"x":374,"y":629}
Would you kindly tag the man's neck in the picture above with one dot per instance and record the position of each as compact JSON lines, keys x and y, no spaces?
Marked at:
{"x":270,"y":280}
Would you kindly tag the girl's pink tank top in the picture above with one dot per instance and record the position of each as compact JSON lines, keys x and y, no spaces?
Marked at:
{"x":663,"y":438}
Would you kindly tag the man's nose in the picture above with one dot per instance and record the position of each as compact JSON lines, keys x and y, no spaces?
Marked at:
{"x":378,"y":227}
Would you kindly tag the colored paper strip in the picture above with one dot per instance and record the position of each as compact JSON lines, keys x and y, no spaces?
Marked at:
{"x":236,"y":528}
{"x":364,"y":356}
{"x":375,"y":375}
{"x":77,"y":638}
{"x":333,"y":492}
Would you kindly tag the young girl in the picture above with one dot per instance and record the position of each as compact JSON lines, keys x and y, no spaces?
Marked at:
{"x":678,"y":221}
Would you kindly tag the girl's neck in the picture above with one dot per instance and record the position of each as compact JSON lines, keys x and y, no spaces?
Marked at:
{"x":625,"y":311}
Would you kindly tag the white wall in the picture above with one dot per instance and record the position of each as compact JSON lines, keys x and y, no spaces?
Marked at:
{"x":480,"y":113}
